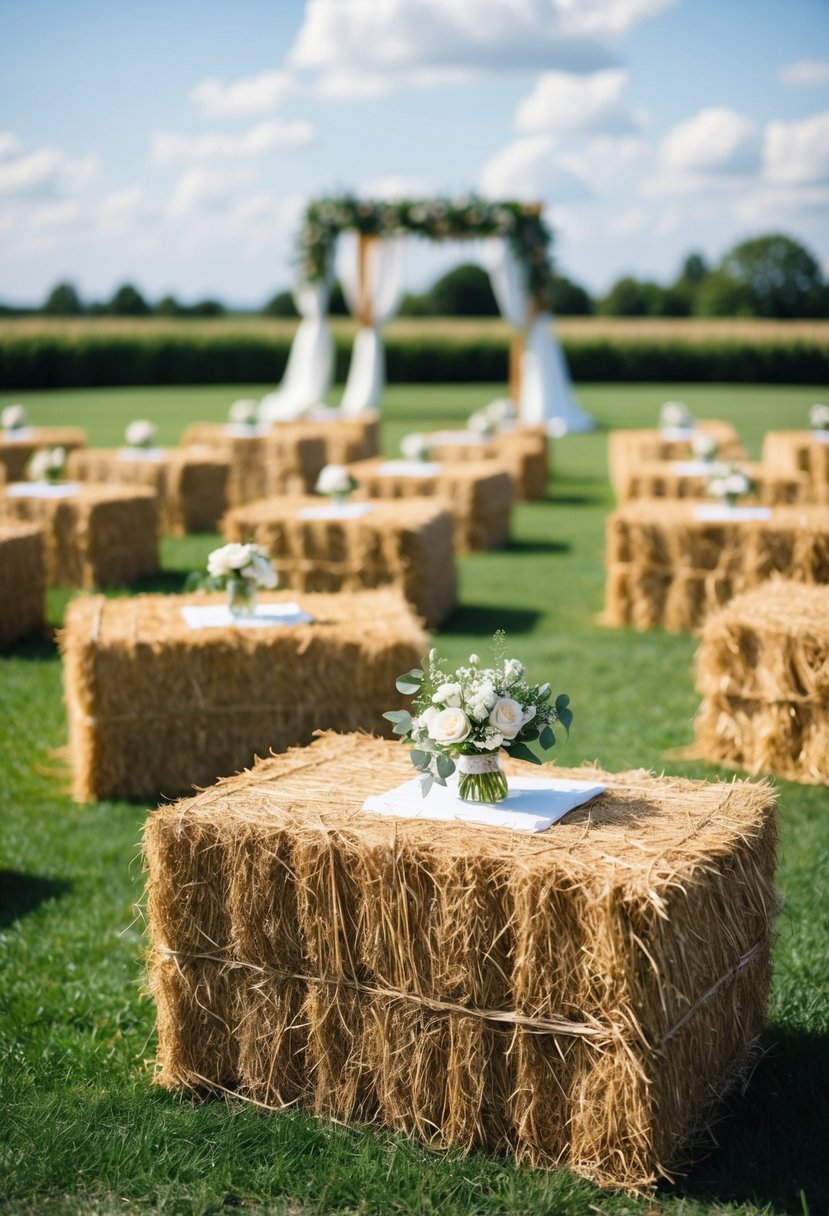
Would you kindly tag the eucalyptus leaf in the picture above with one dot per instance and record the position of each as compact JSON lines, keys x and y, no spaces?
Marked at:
{"x":409,"y":682}
{"x":445,"y":765}
{"x":565,"y":717}
{"x":547,"y":738}
{"x":562,"y":701}
{"x":421,"y":760}
{"x":522,"y":752}
{"x":426,"y":783}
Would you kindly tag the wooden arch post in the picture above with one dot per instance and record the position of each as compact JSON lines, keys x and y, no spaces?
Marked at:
{"x":519,"y":340}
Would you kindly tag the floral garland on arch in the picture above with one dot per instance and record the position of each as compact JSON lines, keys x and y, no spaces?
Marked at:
{"x":436,"y":219}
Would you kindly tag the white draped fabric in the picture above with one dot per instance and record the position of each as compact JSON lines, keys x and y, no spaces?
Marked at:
{"x":372,"y":292}
{"x":547,"y":397}
{"x":310,"y":364}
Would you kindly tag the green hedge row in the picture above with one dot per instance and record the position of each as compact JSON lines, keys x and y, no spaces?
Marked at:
{"x":55,"y":362}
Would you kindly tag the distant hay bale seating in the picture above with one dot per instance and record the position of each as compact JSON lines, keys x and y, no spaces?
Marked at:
{"x":15,"y":454}
{"x":525,"y":452}
{"x":22,"y":581}
{"x":627,"y":449}
{"x":672,"y":479}
{"x":547,"y":995}
{"x":800,"y":452}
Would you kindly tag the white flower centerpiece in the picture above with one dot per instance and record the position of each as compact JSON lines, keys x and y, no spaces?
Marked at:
{"x":461,"y":721}
{"x":481,"y":423}
{"x":241,"y":570}
{"x":729,"y":483}
{"x":675,"y":416}
{"x":704,"y":447}
{"x":47,"y":465}
{"x":819,"y":418}
{"x":140,"y":434}
{"x":502,"y":413}
{"x":244,"y":413}
{"x":14,"y":418}
{"x":416,"y":447}
{"x":335,"y":482}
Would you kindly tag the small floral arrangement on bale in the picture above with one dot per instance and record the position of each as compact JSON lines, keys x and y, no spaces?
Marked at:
{"x":47,"y":464}
{"x":13,"y":418}
{"x":416,"y":447}
{"x":335,"y":482}
{"x":502,"y":412}
{"x":461,"y":721}
{"x":243,"y":412}
{"x":729,"y":483}
{"x":704,"y":446}
{"x":481,"y":423}
{"x":140,"y":434}
{"x":241,"y":570}
{"x":819,"y":417}
{"x":675,"y":416}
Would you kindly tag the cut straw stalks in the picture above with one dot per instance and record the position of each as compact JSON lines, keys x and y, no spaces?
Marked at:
{"x":22,"y":581}
{"x":524,"y":452}
{"x":582,"y":996}
{"x":15,"y":454}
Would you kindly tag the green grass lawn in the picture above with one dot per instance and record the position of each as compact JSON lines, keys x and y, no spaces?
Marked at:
{"x":82,"y":1128}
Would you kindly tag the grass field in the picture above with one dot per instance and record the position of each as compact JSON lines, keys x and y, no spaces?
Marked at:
{"x":84,"y":1131}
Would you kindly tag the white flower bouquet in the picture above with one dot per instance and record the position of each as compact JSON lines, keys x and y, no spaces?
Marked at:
{"x":47,"y":464}
{"x":242,"y":570}
{"x":335,"y":482}
{"x":140,"y":434}
{"x":243,"y":412}
{"x":462,"y":721}
{"x":502,"y":411}
{"x":416,"y":447}
{"x":675,"y":416}
{"x":704,"y":446}
{"x":818,"y":417}
{"x":729,"y":482}
{"x":13,"y":418}
{"x":480,"y":423}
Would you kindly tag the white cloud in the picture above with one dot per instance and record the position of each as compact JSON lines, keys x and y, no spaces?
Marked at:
{"x":46,"y":172}
{"x":168,"y":148}
{"x":67,"y":213}
{"x":215,"y":98}
{"x":527,"y":169}
{"x":607,"y":18}
{"x":805,"y":72}
{"x":627,"y":222}
{"x":392,"y":188}
{"x":782,"y":205}
{"x":124,"y":210}
{"x":205,"y":189}
{"x":562,"y":101}
{"x":712,"y":150}
{"x":797,"y":153}
{"x":10,"y":145}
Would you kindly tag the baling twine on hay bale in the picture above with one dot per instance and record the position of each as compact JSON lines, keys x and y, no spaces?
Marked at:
{"x":480,"y":494}
{"x":763,"y":670}
{"x":15,"y":454}
{"x":666,"y":568}
{"x":662,"y":479}
{"x":627,"y":449}
{"x":155,"y":707}
{"x":100,"y":536}
{"x":578,"y":997}
{"x":22,"y":581}
{"x":404,"y":542}
{"x":191,"y":486}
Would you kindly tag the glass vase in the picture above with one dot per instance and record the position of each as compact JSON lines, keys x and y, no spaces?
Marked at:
{"x":241,"y":597}
{"x":481,"y":778}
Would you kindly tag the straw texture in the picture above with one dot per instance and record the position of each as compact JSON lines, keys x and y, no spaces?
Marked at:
{"x":660,"y":479}
{"x":581,"y":996}
{"x":15,"y":454}
{"x":101,"y":536}
{"x":407,"y":543}
{"x":22,"y":581}
{"x":343,"y":440}
{"x":666,"y":568}
{"x":480,"y":494}
{"x":155,"y":707}
{"x":247,"y":476}
{"x":763,"y":670}
{"x":191,"y":486}
{"x":800,"y":452}
{"x":628,"y":449}
{"x":524,"y":452}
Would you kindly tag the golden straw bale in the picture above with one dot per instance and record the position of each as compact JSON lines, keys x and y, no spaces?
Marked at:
{"x":294,"y":455}
{"x":156,"y":707}
{"x":191,"y":486}
{"x":480,"y":493}
{"x":763,"y":671}
{"x":627,"y":449}
{"x":97,"y":536}
{"x":523,"y":451}
{"x":804,"y":453}
{"x":579,"y":997}
{"x":15,"y":453}
{"x":681,"y":479}
{"x":242,"y":447}
{"x":666,"y":567}
{"x":345,"y":438}
{"x":22,"y":581}
{"x":407,"y":543}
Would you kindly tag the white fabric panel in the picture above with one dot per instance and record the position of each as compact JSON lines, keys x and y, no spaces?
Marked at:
{"x":310,"y":364}
{"x":547,"y":397}
{"x":383,"y":287}
{"x":508,"y":282}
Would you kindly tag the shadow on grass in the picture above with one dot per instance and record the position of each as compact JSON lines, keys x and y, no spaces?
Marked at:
{"x":21,"y":894}
{"x":38,"y":648}
{"x":772,"y":1142}
{"x":476,"y":619}
{"x":537,"y":545}
{"x":163,"y":582}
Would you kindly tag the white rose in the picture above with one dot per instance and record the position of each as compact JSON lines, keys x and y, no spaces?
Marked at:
{"x":736,"y":484}
{"x":818,"y":417}
{"x":227,"y":560}
{"x":704,"y":446}
{"x":513,"y":671}
{"x":259,"y":568}
{"x":243,"y":412}
{"x":334,"y":479}
{"x":502,"y":409}
{"x":39,"y":465}
{"x":474,"y":659}
{"x":415,"y":447}
{"x":675,"y":414}
{"x":422,"y":723}
{"x":449,"y":726}
{"x":507,"y":717}
{"x":13,"y":417}
{"x":717,"y":487}
{"x":448,"y":694}
{"x":140,"y":434}
{"x":480,"y":423}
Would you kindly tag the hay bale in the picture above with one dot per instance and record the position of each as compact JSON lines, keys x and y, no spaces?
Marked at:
{"x":155,"y":707}
{"x":679,"y":479}
{"x":407,"y":543}
{"x":627,"y":449}
{"x":763,"y":671}
{"x":22,"y":581}
{"x":524,"y":452}
{"x":344,"y":439}
{"x":553,"y":996}
{"x":99,"y":536}
{"x":787,"y":451}
{"x":667,"y":568}
{"x":191,"y":486}
{"x":480,"y":493}
{"x":246,"y":455}
{"x":15,"y":454}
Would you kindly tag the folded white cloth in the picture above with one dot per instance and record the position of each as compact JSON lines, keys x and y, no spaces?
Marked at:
{"x":345,"y":510}
{"x":672,"y":434}
{"x":714,"y":513}
{"x":692,"y":468}
{"x":461,"y":438}
{"x":218,"y":616}
{"x":42,"y":489}
{"x":409,"y":468}
{"x":151,"y":455}
{"x":533,"y":804}
{"x":18,"y":434}
{"x":820,"y":436}
{"x":240,"y":430}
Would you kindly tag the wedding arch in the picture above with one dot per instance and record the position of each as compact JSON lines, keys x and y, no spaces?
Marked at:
{"x":365,"y":240}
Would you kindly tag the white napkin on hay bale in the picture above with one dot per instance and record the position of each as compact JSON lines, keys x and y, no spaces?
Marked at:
{"x":346,"y":510}
{"x":714,"y":513}
{"x":218,"y":616}
{"x":42,"y":489}
{"x":409,"y":468}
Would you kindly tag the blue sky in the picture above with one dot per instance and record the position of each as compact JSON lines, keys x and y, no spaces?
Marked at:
{"x":173,"y":144}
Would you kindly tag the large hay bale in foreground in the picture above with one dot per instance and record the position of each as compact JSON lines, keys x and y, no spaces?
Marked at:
{"x":667,"y":567}
{"x":191,"y":486}
{"x":627,"y":449}
{"x":763,"y":670}
{"x":156,"y":707}
{"x":96,"y":536}
{"x":17,"y":449}
{"x":22,"y":581}
{"x":407,"y":543}
{"x":582,"y":996}
{"x":480,"y":493}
